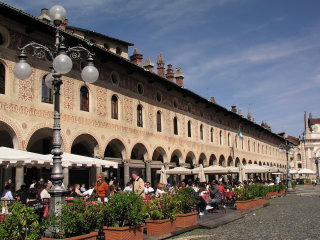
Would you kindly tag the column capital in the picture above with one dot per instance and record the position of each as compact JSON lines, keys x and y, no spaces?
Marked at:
{"x":126,"y":161}
{"x":148,"y":161}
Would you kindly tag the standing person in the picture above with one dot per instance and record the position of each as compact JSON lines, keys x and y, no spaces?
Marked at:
{"x":35,"y":203}
{"x":44,"y":193}
{"x":101,"y":187}
{"x":8,"y":192}
{"x":148,"y":189}
{"x":138,"y":184}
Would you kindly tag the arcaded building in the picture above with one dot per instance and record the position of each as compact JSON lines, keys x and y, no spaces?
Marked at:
{"x":138,"y":113}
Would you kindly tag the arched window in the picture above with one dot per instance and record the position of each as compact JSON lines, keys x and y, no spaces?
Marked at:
{"x":254,"y":146}
{"x":47,"y":93}
{"x":2,"y":79}
{"x":189,"y":128}
{"x":249,"y":145}
{"x":220,"y":137}
{"x":229,"y":143}
{"x":159,"y":121}
{"x":258,"y":147}
{"x":175,"y":126}
{"x":211,"y":134}
{"x":114,"y":107}
{"x":242,"y":143}
{"x":139,"y":116}
{"x":84,"y":99}
{"x":201,"y":132}
{"x":118,"y":51}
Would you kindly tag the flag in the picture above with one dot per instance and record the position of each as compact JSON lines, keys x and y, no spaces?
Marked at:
{"x":240,"y":134}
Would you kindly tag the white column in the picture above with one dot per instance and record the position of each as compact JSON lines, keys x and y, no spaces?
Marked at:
{"x":19,"y":177}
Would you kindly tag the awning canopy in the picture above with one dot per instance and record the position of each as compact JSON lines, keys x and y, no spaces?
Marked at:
{"x":179,"y":171}
{"x":15,"y":157}
{"x":306,"y":171}
{"x":255,"y":168}
{"x":220,"y":170}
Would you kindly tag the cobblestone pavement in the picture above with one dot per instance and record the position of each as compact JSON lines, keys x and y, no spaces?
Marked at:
{"x":296,"y":216}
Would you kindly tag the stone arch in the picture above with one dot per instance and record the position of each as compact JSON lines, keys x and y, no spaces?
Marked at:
{"x":255,"y":162}
{"x":244,"y":161}
{"x":222,"y":161}
{"x":115,"y":149}
{"x":212,"y":160}
{"x":91,"y":137}
{"x":176,"y":157}
{"x":13,"y":130}
{"x":237,"y":163}
{"x":203,"y":159}
{"x":230,"y":162}
{"x":9,"y":136}
{"x":264,"y":163}
{"x":159,"y":154}
{"x":250,"y":162}
{"x":267,"y":163}
{"x":260,"y":163}
{"x":86,"y":145}
{"x":139,"y":152}
{"x":190,"y":158}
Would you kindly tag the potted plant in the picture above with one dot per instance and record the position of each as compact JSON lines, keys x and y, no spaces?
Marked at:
{"x":21,"y":223}
{"x":186,"y":201}
{"x":307,"y":182}
{"x":243,"y":201}
{"x":123,"y":217}
{"x":160,"y":215}
{"x":293,"y":184}
{"x":282,"y":189}
{"x":77,"y":220}
{"x":263,"y":190}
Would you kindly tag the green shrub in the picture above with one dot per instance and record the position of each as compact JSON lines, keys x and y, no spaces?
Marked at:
{"x":21,"y":224}
{"x":307,"y":180}
{"x":293,"y":184}
{"x":185,"y":200}
{"x":164,"y":207}
{"x":76,"y":218}
{"x":263,"y":190}
{"x":241,"y":193}
{"x":124,"y":209}
{"x":282,"y":187}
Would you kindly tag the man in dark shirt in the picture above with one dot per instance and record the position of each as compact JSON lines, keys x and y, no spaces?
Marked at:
{"x":215,"y":194}
{"x":35,"y":202}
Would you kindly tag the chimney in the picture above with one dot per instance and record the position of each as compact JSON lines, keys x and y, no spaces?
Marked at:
{"x":249,"y":116}
{"x":213,"y":100}
{"x":44,"y":15}
{"x":160,"y":66}
{"x":136,"y":57}
{"x":148,"y":65}
{"x":170,"y":75}
{"x":64,"y":24}
{"x":234,"y":109}
{"x":179,"y":77}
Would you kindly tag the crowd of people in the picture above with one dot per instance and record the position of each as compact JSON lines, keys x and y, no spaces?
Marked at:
{"x":209,"y":194}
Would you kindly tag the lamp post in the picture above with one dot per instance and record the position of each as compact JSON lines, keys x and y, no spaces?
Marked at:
{"x":287,"y":148}
{"x":61,"y":64}
{"x":316,"y":161}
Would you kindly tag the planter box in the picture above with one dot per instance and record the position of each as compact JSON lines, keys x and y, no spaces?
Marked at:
{"x":243,"y":205}
{"x":160,"y":227}
{"x":128,"y":233}
{"x":308,"y":183}
{"x":282,"y":191}
{"x":186,"y":220}
{"x":89,"y":236}
{"x":254,"y":203}
{"x":261,"y":201}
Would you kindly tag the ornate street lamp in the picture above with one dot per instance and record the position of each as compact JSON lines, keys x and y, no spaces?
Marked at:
{"x":316,"y":161}
{"x":61,"y":64}
{"x":287,"y":148}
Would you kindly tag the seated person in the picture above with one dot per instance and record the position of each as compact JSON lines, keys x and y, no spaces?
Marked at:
{"x":203,"y":198}
{"x":71,"y":192}
{"x":215,"y":194}
{"x":35,"y":203}
{"x":160,"y":190}
{"x":148,"y":190}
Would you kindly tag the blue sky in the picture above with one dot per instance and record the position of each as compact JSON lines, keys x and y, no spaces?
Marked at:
{"x":261,"y":55}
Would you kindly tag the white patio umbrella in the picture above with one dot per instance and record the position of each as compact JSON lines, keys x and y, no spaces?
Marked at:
{"x":201,"y":176}
{"x":293,"y":171}
{"x":179,"y":171}
{"x":242,"y":173}
{"x":216,"y":170}
{"x":163,"y":176}
{"x":255,"y":168}
{"x":306,"y":171}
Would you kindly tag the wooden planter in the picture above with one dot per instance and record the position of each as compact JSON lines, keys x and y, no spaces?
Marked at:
{"x":186,"y":220}
{"x":128,"y":233}
{"x":89,"y":236}
{"x":308,"y":183}
{"x":160,"y":227}
{"x":243,"y":205}
{"x":261,"y":201}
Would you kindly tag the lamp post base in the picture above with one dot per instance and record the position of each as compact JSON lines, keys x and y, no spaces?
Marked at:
{"x":57,"y":198}
{"x":290,"y":190}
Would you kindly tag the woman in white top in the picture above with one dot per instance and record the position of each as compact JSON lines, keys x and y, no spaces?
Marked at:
{"x":160,"y":190}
